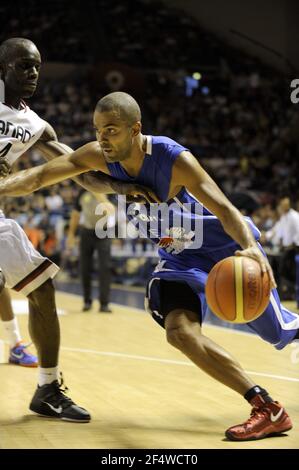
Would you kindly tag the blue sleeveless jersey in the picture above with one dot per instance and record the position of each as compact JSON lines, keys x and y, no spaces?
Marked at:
{"x":176,"y":242}
{"x":207,"y":243}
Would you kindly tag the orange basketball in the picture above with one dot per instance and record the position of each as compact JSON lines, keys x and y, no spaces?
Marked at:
{"x":236,"y":290}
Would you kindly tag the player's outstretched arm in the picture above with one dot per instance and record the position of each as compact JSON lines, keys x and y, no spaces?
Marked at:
{"x":82,"y":160}
{"x":93,"y":181}
{"x":50,"y":148}
{"x":189,"y":173}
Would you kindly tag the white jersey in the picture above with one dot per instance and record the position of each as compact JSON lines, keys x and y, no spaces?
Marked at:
{"x":19,"y":130}
{"x":24,"y":268}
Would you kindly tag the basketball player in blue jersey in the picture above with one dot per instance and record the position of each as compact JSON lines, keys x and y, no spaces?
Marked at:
{"x":175,"y":292}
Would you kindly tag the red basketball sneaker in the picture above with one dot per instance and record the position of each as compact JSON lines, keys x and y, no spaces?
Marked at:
{"x":266,"y":419}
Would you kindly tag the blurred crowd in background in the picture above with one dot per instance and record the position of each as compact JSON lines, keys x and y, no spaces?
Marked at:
{"x":231,"y":111}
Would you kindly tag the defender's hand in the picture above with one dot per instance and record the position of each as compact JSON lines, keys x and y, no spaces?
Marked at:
{"x":254,"y":253}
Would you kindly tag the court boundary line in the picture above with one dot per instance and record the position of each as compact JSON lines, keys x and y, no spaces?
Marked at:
{"x":172,"y":361}
{"x":143,"y":311}
{"x":168,"y":361}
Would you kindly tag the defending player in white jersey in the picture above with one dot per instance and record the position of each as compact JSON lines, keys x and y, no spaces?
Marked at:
{"x":19,"y":130}
{"x":24,"y":269}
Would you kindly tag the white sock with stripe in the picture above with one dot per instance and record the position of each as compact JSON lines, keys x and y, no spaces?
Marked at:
{"x":47,"y":375}
{"x":12,"y":331}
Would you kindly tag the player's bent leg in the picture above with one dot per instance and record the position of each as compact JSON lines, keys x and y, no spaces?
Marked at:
{"x":183,"y":331}
{"x":174,"y":306}
{"x":267,"y":417}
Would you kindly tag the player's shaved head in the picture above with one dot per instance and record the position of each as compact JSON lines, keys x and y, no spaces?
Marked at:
{"x":123,"y":105}
{"x":12,"y":47}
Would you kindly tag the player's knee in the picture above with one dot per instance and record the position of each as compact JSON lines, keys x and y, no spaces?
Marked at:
{"x":180,"y":337}
{"x":43,"y":293}
{"x":46,"y":288}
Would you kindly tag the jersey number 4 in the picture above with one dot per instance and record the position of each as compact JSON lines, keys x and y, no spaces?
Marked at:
{"x":5,"y":150}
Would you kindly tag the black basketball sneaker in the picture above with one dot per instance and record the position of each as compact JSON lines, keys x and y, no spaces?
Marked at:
{"x":50,"y":400}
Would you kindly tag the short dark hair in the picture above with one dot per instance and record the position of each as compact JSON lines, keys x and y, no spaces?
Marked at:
{"x":123,"y":104}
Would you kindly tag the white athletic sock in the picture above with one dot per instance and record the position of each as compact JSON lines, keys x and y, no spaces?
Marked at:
{"x":11,"y":328}
{"x":47,"y":375}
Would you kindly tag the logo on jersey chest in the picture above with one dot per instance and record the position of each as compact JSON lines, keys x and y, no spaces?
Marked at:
{"x":17,"y":132}
{"x":172,"y":226}
{"x":176,"y":240}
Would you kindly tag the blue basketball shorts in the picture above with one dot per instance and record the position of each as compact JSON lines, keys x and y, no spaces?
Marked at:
{"x":277,"y":325}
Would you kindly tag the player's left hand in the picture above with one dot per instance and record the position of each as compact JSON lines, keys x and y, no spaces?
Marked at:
{"x":5,"y":167}
{"x":255,"y":253}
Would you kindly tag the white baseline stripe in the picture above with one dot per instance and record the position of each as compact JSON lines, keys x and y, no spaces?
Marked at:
{"x":169,"y":361}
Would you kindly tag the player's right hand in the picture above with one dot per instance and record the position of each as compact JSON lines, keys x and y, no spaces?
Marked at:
{"x":255,"y":253}
{"x":5,"y":167}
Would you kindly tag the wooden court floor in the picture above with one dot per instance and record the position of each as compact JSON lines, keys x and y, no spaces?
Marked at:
{"x":141,"y":392}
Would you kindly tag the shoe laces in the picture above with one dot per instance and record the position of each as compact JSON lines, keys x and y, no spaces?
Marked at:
{"x":59,"y":391}
{"x":256,"y":413}
{"x":26,"y":345}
